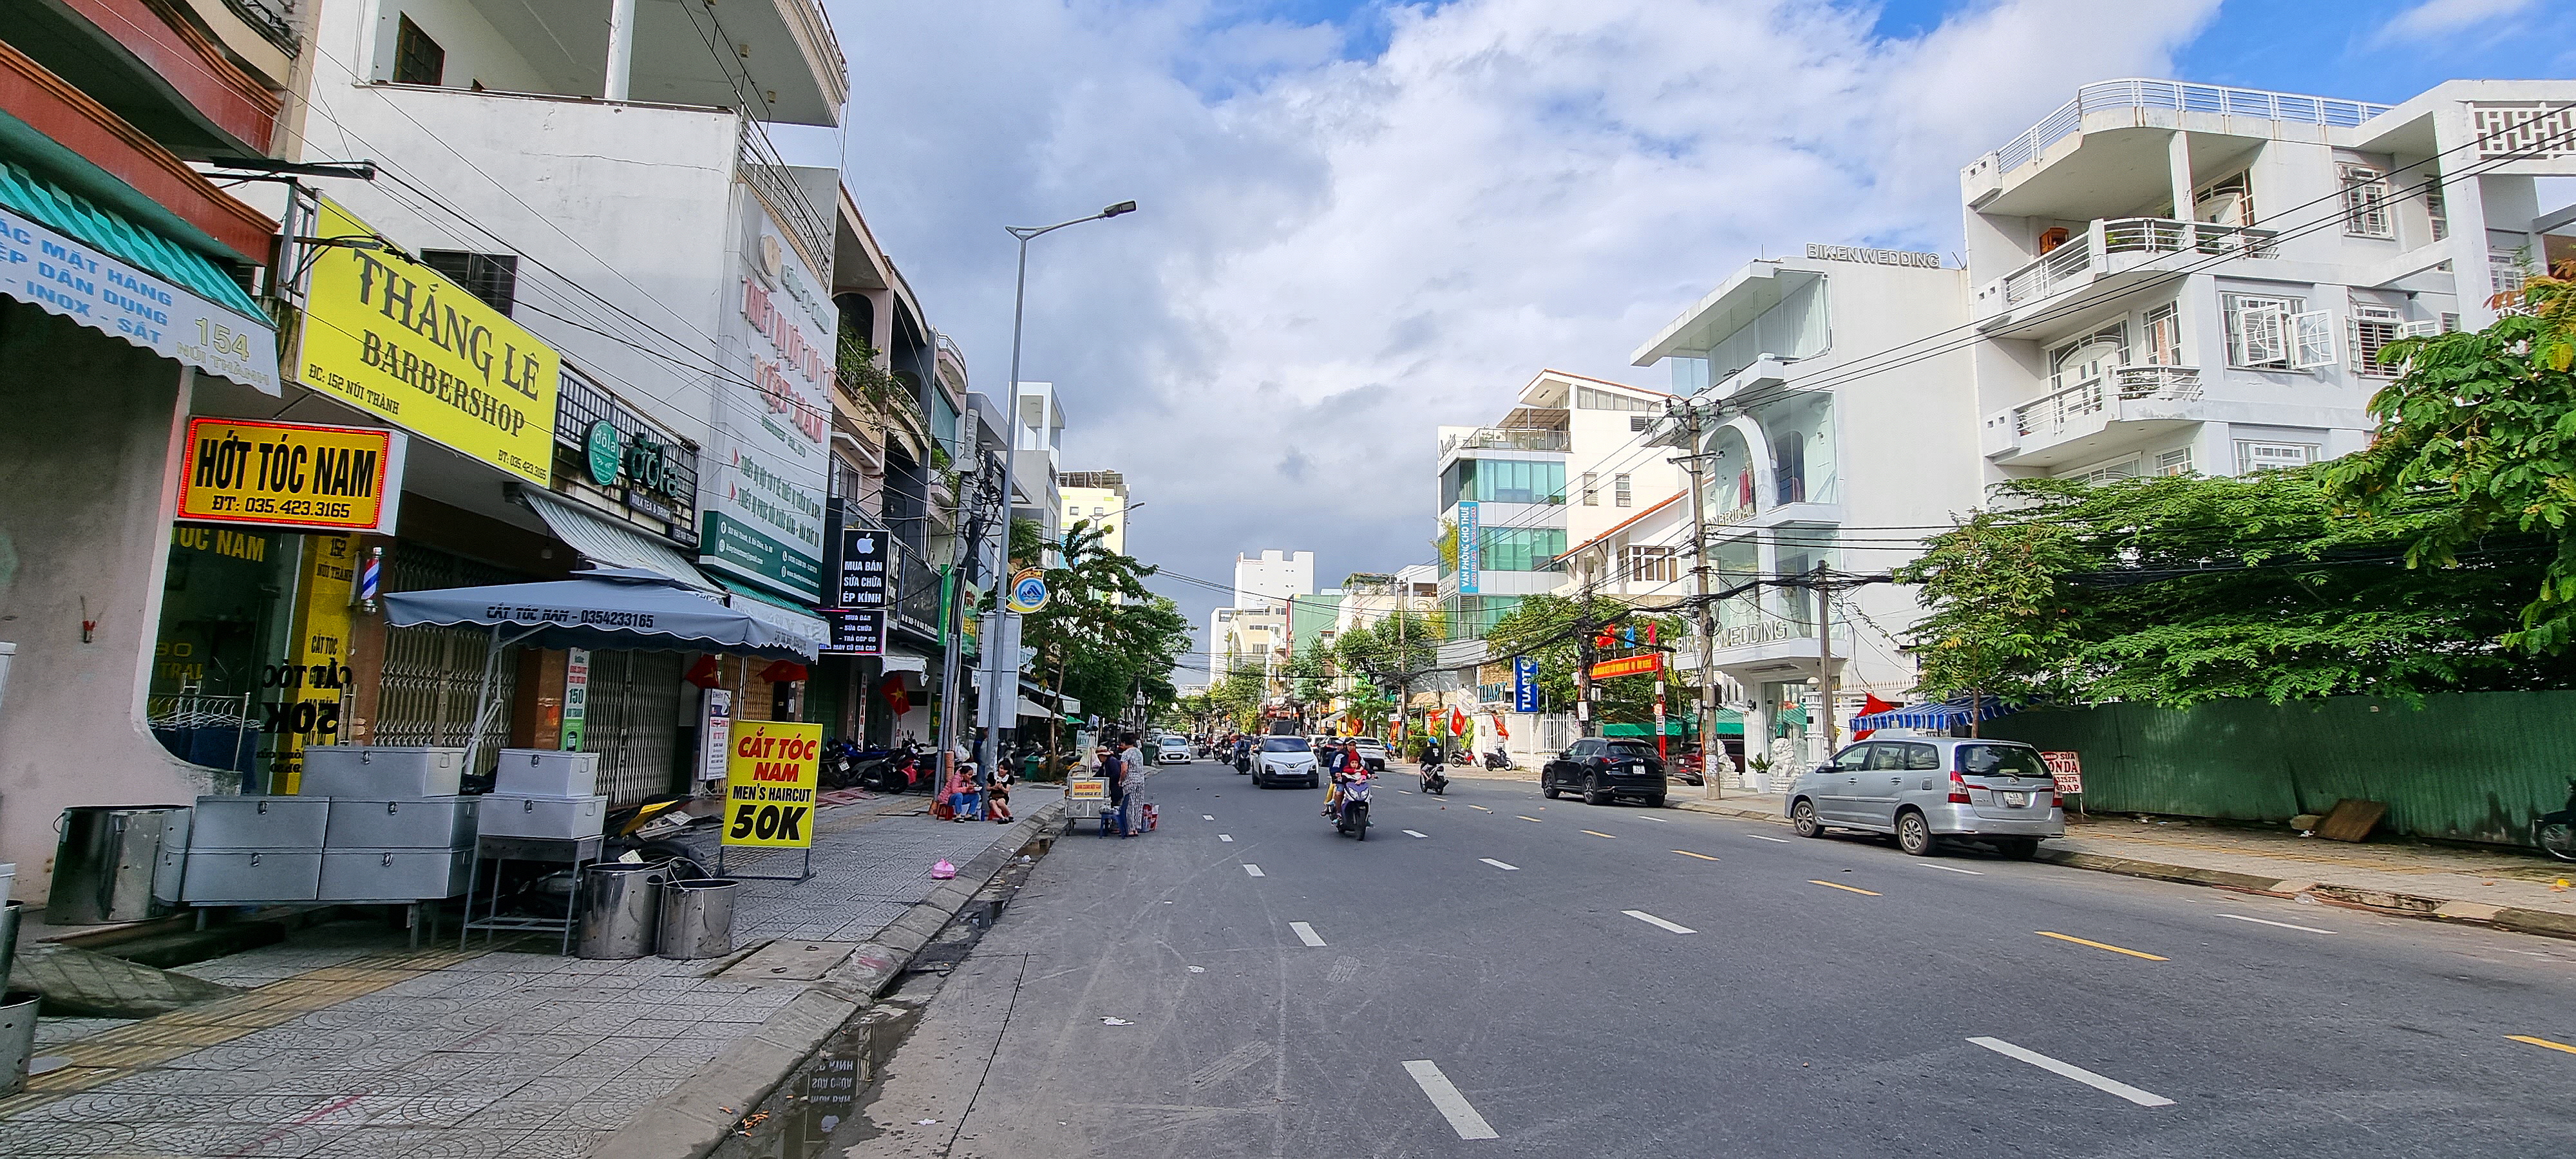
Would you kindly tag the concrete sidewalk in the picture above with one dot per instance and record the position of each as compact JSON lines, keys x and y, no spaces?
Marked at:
{"x":2502,"y":888}
{"x":341,"y":1042}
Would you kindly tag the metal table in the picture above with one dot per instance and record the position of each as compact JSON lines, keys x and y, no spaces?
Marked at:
{"x":575,"y":851}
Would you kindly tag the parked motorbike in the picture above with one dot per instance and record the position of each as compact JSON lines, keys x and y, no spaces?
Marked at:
{"x":1498,"y":759}
{"x":2555,"y":833}
{"x":1350,"y":814}
{"x":1435,"y":777}
{"x":896,"y":771}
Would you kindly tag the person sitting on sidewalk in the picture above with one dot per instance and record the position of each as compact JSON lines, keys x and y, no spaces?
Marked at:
{"x":997,"y":797}
{"x":964,"y":801}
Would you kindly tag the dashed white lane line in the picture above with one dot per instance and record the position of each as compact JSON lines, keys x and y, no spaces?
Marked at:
{"x":2079,"y":1074}
{"x":1411,"y":833}
{"x":1498,"y":864}
{"x":2270,"y":922}
{"x":1657,"y":820}
{"x":1225,"y":836}
{"x":1759,"y":837}
{"x":1306,"y":933}
{"x":1252,"y":869}
{"x":1652,"y":920}
{"x":1207,"y":816}
{"x":1445,"y":1098}
{"x":1956,"y":869}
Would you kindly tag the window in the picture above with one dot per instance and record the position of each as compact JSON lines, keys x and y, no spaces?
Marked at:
{"x":1099,"y":511}
{"x":2506,"y":267}
{"x":2365,"y":202}
{"x":492,"y":277}
{"x":2174,"y":462}
{"x":2107,"y":473}
{"x":1886,"y":758}
{"x":2164,"y":336}
{"x":1621,"y":494}
{"x":1505,"y":481}
{"x":1653,"y":565}
{"x":1591,"y":489}
{"x":1637,"y":423}
{"x":1853,"y":759}
{"x":418,"y":60}
{"x":2226,"y":201}
{"x":2252,"y":456}
{"x":1522,"y":548}
{"x":1922,"y":758}
{"x":1586,"y":398}
{"x":2373,"y":327}
{"x":2090,"y":359}
{"x":2258,"y":329}
{"x":2436,"y":210}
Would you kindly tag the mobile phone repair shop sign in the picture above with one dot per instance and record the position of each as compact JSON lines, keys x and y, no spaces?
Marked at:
{"x":292,"y":475}
{"x":60,"y":276}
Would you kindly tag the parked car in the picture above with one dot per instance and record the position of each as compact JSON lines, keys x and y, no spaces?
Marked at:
{"x":1929,"y":790}
{"x":1372,"y":752}
{"x":1280,"y":759}
{"x":1603,"y":771}
{"x":1172,"y":750}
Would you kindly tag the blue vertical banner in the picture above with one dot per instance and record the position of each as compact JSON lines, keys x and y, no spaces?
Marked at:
{"x":1524,"y":684}
{"x":1471,"y":548}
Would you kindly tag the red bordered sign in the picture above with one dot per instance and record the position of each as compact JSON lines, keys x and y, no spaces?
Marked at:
{"x":294,"y":475}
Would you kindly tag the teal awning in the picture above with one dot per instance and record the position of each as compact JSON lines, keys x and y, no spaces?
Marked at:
{"x":1729,"y":723}
{"x":80,"y":218}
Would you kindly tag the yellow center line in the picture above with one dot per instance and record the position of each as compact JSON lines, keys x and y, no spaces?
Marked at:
{"x":1837,"y":885}
{"x":1527,"y":817}
{"x":2101,"y":946}
{"x":1598,"y":833}
{"x":1688,"y":853}
{"x":2542,"y":1042}
{"x":1480,"y":808}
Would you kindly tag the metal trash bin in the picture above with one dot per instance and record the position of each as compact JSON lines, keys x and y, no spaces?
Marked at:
{"x":621,"y":904}
{"x":10,"y":913}
{"x":17,"y":1039}
{"x":105,"y":865}
{"x":697,"y":918}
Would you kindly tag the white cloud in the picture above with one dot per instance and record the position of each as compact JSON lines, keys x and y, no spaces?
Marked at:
{"x":2441,"y":17}
{"x":1337,"y":255}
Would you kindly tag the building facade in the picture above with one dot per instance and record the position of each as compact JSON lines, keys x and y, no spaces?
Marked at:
{"x":1100,"y":498}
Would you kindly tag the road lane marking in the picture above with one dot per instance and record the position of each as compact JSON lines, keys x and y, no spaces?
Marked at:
{"x":2542,"y":1042}
{"x":1406,"y":792}
{"x":1852,"y":888}
{"x":1956,"y":869}
{"x":1688,"y":853}
{"x":1598,"y":833}
{"x":2270,"y":922}
{"x":1225,"y":836}
{"x":1445,"y":1099}
{"x":1252,"y":869}
{"x":1528,"y":818}
{"x":1652,"y":920}
{"x":1657,"y":820}
{"x":1480,"y":808}
{"x":1411,"y":833}
{"x":2079,"y":1074}
{"x":1207,"y":816}
{"x":2100,"y":946}
{"x":1498,"y":864}
{"x":1305,"y":933}
{"x":1759,"y":837}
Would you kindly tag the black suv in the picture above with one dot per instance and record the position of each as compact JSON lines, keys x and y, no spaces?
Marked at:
{"x":1605,"y":770}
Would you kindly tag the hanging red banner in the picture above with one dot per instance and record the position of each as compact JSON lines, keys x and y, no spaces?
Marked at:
{"x":1638,"y":665}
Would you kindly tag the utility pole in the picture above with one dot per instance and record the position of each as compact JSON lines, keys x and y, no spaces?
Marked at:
{"x":1825,"y":655}
{"x":1705,"y":609}
{"x":1584,"y":714}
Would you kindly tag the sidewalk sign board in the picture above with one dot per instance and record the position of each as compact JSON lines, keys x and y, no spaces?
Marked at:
{"x":576,"y":698}
{"x":715,"y":724}
{"x":1525,"y":684}
{"x":2068,"y":770}
{"x":772,"y":771}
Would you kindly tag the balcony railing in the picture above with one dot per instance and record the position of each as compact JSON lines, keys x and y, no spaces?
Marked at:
{"x":1507,"y":439}
{"x":2051,"y":414}
{"x":2137,"y":93}
{"x":810,"y":227}
{"x":2079,"y":260}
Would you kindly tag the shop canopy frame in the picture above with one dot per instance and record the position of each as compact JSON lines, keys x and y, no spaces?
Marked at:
{"x":604,"y":609}
{"x":1935,"y":715}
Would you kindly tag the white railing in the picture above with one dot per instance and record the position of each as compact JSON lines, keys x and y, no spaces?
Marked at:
{"x":2053,"y":413}
{"x":2180,"y":383}
{"x":2079,"y":258}
{"x":2050,"y":414}
{"x":2140,"y":93}
{"x":1507,"y":439}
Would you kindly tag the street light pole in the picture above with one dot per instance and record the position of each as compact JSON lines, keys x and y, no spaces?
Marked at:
{"x":998,"y":641}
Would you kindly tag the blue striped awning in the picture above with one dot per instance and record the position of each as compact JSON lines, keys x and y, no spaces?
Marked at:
{"x":1933,"y":716}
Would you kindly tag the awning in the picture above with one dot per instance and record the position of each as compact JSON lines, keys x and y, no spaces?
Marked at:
{"x":793,"y":621}
{"x":1933,"y":715}
{"x":126,"y":281}
{"x":894,"y":661}
{"x":606,"y":609}
{"x":609,"y":545}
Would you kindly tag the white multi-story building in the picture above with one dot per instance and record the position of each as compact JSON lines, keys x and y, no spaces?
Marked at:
{"x":2173,"y":277}
{"x":1099,"y":497}
{"x":1040,"y":434}
{"x":1268,"y":579}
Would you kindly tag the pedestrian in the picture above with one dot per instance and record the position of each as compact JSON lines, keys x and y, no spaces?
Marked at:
{"x":1112,"y":771}
{"x":963,"y":798}
{"x":997,"y":797}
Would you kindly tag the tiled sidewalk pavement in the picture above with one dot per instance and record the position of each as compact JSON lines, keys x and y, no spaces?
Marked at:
{"x":344,"y":1044}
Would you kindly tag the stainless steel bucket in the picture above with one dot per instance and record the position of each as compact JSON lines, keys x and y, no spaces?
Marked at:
{"x":104,"y":867}
{"x":10,"y":913}
{"x":697,"y":917}
{"x":621,"y":906}
{"x":17,"y":1040}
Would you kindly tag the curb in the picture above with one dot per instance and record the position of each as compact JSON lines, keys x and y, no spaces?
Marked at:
{"x":2517,"y":919}
{"x":707,"y":1107}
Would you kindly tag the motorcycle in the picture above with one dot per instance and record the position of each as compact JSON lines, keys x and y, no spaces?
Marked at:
{"x":895,"y":771}
{"x":1435,"y":779}
{"x":2555,"y":833}
{"x":1350,"y":814}
{"x":1498,"y":759}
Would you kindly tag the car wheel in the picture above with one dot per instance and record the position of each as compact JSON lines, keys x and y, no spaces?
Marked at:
{"x":2018,"y":848}
{"x":1802,"y":819}
{"x":1914,"y":834}
{"x":1546,"y":787}
{"x":1592,"y":794}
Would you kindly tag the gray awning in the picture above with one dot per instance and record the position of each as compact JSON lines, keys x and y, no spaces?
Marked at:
{"x":894,"y":661}
{"x":793,"y":621}
{"x":603,"y":542}
{"x":610,"y":608}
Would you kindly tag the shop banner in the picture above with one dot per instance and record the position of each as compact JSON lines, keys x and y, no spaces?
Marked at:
{"x":855,"y":631}
{"x":1638,"y":665}
{"x":862,"y":582}
{"x":2068,"y":770}
{"x":771,"y":771}
{"x":1525,"y":684}
{"x":292,"y":475}
{"x":60,"y":276}
{"x":302,"y":696}
{"x":1471,"y":548}
{"x":715,"y":730}
{"x":397,"y":339}
{"x":761,"y":494}
{"x":576,"y":698}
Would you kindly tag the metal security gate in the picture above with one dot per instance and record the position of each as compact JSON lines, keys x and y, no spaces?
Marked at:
{"x":634,"y":720}
{"x":427,"y":685}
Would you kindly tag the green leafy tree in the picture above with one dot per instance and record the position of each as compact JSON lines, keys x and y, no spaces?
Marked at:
{"x":1392,"y":655}
{"x":1237,"y":698}
{"x":1997,"y":624}
{"x":1102,"y":637}
{"x":1557,"y":632}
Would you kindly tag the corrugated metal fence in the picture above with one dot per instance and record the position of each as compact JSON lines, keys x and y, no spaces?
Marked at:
{"x":2469,"y":766}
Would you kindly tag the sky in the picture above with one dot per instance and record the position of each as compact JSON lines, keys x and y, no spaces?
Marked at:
{"x":1363,"y":220}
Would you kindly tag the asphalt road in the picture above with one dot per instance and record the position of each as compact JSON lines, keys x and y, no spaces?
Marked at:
{"x":1154,"y":997}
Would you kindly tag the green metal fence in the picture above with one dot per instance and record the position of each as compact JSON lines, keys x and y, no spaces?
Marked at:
{"x":2470,"y":766}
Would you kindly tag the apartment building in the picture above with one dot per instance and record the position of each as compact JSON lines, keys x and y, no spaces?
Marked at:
{"x":1099,"y":497}
{"x":2171,"y":277}
{"x":1502,"y":513}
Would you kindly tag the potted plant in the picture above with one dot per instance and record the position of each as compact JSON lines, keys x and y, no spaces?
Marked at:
{"x":1761,"y":766}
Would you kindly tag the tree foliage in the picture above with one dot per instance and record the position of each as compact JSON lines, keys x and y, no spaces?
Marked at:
{"x":1102,"y":637}
{"x":1546,"y":627}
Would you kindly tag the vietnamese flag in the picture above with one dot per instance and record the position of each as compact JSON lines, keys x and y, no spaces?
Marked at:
{"x":1870,"y":703}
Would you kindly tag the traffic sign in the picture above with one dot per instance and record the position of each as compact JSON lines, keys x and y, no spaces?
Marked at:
{"x":1028,"y":591}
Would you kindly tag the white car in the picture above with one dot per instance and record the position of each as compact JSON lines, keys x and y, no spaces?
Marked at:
{"x":1172,"y":750}
{"x":1281,"y":759}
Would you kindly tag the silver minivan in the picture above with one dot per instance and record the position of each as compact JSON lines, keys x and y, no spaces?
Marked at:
{"x":1925,"y":790}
